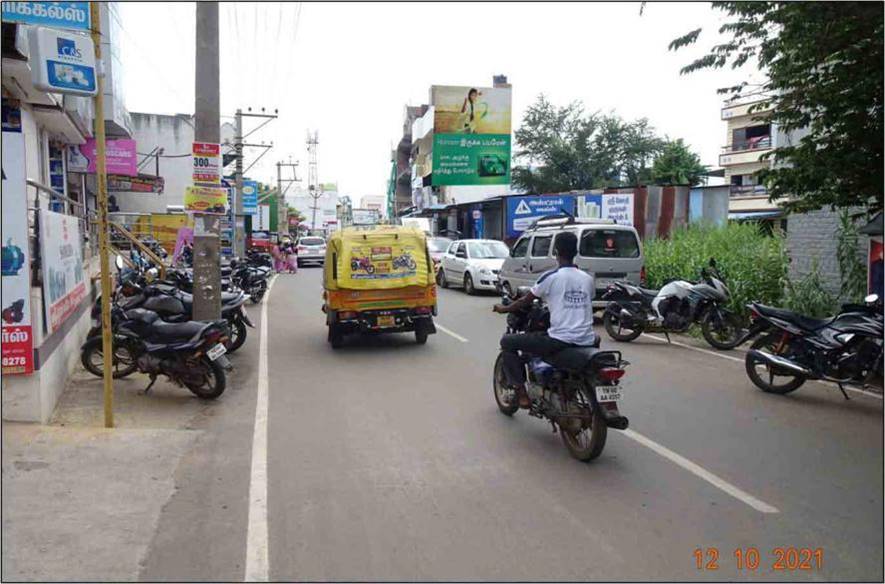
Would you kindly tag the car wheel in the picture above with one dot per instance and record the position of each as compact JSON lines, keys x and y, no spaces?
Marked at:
{"x":468,"y":285}
{"x":441,"y":279}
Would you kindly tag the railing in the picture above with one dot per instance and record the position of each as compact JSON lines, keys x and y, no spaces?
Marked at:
{"x":763,"y":142}
{"x":747,"y":190}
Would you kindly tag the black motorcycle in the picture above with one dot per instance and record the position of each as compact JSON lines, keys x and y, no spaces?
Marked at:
{"x":633,"y":310}
{"x":190,"y":354}
{"x":844,"y":349}
{"x":577,"y":390}
{"x":251,"y":279}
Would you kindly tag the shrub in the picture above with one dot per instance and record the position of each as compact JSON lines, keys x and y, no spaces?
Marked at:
{"x":807,"y":295}
{"x":753,"y":264}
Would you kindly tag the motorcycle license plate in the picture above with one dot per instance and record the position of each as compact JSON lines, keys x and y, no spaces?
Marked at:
{"x":216,"y":352}
{"x":608,"y":393}
{"x":386,"y":321}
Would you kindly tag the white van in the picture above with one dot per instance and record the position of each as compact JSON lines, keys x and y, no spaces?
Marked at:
{"x":608,"y":251}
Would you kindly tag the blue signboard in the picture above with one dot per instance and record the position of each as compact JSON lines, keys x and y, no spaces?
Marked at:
{"x":72,"y":15}
{"x":523,"y":211}
{"x":250,"y":197}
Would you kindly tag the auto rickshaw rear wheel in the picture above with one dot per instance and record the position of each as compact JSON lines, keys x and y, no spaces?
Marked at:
{"x":336,"y":336}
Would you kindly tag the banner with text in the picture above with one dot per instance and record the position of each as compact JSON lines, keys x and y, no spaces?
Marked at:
{"x":207,"y":200}
{"x":207,"y":162}
{"x":64,"y":282}
{"x":477,"y":159}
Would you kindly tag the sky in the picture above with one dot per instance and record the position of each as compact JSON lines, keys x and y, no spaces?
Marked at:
{"x":348,"y":70}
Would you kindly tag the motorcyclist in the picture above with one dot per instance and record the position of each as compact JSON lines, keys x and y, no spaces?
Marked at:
{"x":568,"y":292}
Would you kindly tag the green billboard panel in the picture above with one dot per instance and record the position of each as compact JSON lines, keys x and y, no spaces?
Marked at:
{"x":471,"y":159}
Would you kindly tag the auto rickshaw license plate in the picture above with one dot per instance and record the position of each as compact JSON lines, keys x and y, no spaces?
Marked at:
{"x":386,"y":321}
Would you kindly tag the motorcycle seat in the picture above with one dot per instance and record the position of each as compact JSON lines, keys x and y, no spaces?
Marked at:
{"x":648,"y":292}
{"x":226,"y":298}
{"x":170,"y":331}
{"x":804,"y":322}
{"x":576,"y":358}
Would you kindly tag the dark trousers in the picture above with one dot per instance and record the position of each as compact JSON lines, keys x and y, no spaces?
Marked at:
{"x":535,"y":344}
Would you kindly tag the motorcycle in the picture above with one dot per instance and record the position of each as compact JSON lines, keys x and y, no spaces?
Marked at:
{"x":251,"y":279}
{"x":190,"y":354}
{"x":844,"y":349}
{"x":404,"y":261}
{"x":357,"y":264}
{"x":577,"y":390}
{"x":674,"y":308}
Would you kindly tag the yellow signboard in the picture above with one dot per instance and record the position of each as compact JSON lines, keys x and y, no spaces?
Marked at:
{"x":208,"y":200}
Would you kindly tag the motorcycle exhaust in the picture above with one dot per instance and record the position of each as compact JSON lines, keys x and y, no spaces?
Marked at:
{"x":780,"y":362}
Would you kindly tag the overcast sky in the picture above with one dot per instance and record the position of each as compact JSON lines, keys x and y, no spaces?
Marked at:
{"x":347,"y":70}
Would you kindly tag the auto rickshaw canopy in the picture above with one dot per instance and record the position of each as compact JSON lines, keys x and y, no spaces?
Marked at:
{"x":379,"y":257}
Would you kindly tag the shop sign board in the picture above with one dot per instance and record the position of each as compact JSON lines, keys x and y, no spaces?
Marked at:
{"x":207,"y":200}
{"x":62,"y":62}
{"x":207,"y":162}
{"x":17,"y":341}
{"x":250,"y":197}
{"x":64,"y":281}
{"x":120,"y":157}
{"x":523,"y":211}
{"x":615,"y":206}
{"x":71,"y":15}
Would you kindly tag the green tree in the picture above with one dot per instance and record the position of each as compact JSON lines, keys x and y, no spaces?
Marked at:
{"x":824,"y":65}
{"x":677,"y":165}
{"x":564,"y":148}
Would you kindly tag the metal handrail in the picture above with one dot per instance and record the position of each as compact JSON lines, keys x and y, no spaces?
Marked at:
{"x":747,"y":145}
{"x":52,"y":192}
{"x":142,"y":247}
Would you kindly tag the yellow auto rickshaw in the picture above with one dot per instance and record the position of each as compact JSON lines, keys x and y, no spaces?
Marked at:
{"x":378,"y":280}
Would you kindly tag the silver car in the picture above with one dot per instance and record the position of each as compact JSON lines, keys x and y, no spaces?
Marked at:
{"x":311,"y":250}
{"x":606,"y":250}
{"x":473,"y":264}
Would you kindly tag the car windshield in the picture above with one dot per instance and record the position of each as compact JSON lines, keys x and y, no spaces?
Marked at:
{"x":438,"y":244}
{"x":481,"y":250}
{"x":312,"y":241}
{"x":609,"y":243}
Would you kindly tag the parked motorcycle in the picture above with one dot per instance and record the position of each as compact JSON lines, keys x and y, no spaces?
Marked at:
{"x":251,"y":279}
{"x":844,"y":349}
{"x":190,"y":354}
{"x":577,"y":390}
{"x":634,"y":310}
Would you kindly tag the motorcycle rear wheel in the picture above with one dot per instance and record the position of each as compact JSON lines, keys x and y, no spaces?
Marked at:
{"x":616,"y":330}
{"x":506,"y":398}
{"x":237,"y":335}
{"x":587,"y":443}
{"x":214,"y":380}
{"x":751,"y":365}
{"x":124,"y":363}
{"x":722,"y":335}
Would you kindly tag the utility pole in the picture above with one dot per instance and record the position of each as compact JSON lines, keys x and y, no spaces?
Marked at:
{"x":102,"y":179}
{"x":207,"y":118}
{"x":282,"y":216}
{"x":313,"y":186}
{"x":239,"y":243}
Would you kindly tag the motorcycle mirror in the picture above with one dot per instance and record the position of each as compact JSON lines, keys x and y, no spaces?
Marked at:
{"x":871,"y":299}
{"x":119,"y":263}
{"x":712,"y":262}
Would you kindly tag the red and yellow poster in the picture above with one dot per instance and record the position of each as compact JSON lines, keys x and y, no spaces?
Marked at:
{"x":207,"y":200}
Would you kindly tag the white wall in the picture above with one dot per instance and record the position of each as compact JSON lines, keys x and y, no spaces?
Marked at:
{"x":327,"y":205}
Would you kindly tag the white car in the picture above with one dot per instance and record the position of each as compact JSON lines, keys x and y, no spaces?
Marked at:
{"x":473,"y":264}
{"x":311,"y":250}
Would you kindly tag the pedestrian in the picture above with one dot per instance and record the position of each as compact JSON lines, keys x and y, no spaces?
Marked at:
{"x":293,"y":257}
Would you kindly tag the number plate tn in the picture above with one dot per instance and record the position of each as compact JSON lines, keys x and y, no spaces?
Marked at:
{"x":608,"y":393}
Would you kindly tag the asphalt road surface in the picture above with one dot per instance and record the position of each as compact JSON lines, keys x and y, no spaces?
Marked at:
{"x":386,"y":460}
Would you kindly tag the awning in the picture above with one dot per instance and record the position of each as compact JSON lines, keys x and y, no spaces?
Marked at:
{"x":755,"y":215}
{"x":874,"y":227}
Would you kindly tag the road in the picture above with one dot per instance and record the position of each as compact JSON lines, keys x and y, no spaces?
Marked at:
{"x":386,"y":460}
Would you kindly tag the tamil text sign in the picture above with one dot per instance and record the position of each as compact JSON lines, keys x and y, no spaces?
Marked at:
{"x":120,"y":157}
{"x":73,"y":15}
{"x":523,"y":211}
{"x":64,"y":282}
{"x":207,"y":162}
{"x":208,"y":200}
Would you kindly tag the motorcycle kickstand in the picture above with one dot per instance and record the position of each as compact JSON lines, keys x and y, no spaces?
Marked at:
{"x":553,"y":424}
{"x":842,"y":389}
{"x":666,"y":334}
{"x":150,"y":385}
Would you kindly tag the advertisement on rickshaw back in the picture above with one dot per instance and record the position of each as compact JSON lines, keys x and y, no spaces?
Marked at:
{"x":382,"y":262}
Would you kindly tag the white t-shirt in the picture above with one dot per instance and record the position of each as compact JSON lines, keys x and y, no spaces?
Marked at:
{"x":568,"y":291}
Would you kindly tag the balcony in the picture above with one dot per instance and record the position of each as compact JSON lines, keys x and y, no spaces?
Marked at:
{"x":748,"y":191}
{"x":744,"y":152}
{"x":736,"y":110}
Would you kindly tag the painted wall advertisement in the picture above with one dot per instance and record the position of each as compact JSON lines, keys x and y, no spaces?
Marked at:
{"x":618,"y":207}
{"x":207,"y":162}
{"x":206,"y":200}
{"x":64,"y":282}
{"x":18,"y":344}
{"x":120,"y":157}
{"x":471,"y":139}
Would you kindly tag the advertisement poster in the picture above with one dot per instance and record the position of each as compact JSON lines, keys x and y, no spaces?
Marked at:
{"x":73,"y":15}
{"x":380,"y":262}
{"x":120,"y":157}
{"x":208,"y":200}
{"x":64,"y":282}
{"x":250,"y":197}
{"x":17,"y":342}
{"x":143,"y":183}
{"x":471,"y":140}
{"x":523,"y":211}
{"x":207,"y":162}
{"x":62,"y":62}
{"x":618,"y":207}
{"x":261,"y":222}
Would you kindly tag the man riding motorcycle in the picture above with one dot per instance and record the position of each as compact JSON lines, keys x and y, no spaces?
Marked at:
{"x":568,"y":291}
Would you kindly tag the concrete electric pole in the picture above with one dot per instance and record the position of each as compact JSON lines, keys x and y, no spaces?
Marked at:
{"x":207,"y":128}
{"x":239,"y":223}
{"x":313,"y":182}
{"x":282,"y":216}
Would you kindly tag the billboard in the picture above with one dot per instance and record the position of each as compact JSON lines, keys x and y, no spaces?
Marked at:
{"x":523,"y":211}
{"x":250,"y":197}
{"x":120,"y":157}
{"x":364,"y":216}
{"x":471,"y":135}
{"x":207,"y":200}
{"x":615,"y":206}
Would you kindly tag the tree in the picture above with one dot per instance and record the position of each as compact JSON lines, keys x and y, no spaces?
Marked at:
{"x":824,"y":64}
{"x":677,"y":165}
{"x":564,"y":148}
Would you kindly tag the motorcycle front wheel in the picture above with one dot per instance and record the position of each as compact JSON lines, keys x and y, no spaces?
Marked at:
{"x":92,"y":358}
{"x":764,"y":375}
{"x":237,"y":335}
{"x":722,"y":329}
{"x":209,"y":381}
{"x":586,"y":443}
{"x":506,"y":398}
{"x":616,"y":329}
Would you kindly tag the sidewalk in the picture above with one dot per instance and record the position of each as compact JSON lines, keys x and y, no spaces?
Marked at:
{"x":81,"y":502}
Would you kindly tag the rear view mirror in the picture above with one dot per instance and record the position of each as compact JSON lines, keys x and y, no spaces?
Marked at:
{"x":119,"y":263}
{"x":712,"y":262}
{"x":871,"y":299}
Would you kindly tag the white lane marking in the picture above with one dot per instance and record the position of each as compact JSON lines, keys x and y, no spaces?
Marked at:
{"x":257,"y":566}
{"x":450,"y":333}
{"x":703,"y":473}
{"x":715,"y":354}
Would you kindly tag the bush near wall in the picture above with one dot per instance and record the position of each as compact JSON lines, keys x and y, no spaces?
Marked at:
{"x":753,"y":264}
